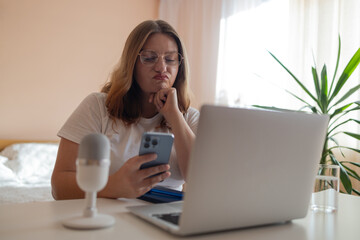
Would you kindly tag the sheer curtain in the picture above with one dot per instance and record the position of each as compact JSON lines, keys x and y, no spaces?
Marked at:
{"x":198,"y":24}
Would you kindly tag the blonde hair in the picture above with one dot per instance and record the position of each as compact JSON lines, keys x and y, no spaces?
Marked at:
{"x":123,"y":92}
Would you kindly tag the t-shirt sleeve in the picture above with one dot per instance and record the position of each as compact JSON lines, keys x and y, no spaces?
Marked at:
{"x":192,"y":119}
{"x":84,"y":120}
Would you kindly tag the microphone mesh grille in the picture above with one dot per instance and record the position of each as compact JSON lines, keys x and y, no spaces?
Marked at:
{"x":94,"y":146}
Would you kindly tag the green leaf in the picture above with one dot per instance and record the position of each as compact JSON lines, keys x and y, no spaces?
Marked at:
{"x":353,"y":163}
{"x":340,"y":110}
{"x":297,"y":81}
{"x":338,"y":118}
{"x":344,"y":177}
{"x":356,"y":191}
{"x":313,"y":109}
{"x":334,"y":140}
{"x":349,"y":69}
{"x":298,"y":98}
{"x":342,"y":123}
{"x":348,"y":94}
{"x":324,"y":90}
{"x":339,"y":148}
{"x":352,"y":109}
{"x":337,"y":65}
{"x":357,"y":121}
{"x":353,"y":149}
{"x":352,"y":173}
{"x":354,"y":135}
{"x":316,"y":81}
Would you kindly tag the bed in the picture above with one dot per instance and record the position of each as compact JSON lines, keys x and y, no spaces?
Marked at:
{"x":25,"y":170}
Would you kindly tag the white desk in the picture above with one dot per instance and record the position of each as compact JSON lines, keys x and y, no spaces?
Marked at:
{"x":42,"y":220}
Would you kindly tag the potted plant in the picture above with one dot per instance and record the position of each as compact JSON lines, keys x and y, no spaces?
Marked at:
{"x":333,"y":100}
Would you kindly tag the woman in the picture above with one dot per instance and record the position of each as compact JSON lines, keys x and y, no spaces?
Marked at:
{"x":147,"y":92}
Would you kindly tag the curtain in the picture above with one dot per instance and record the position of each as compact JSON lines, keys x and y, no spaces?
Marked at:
{"x":198,"y":24}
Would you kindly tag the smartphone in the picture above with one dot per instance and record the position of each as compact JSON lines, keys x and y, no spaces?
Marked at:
{"x":159,"y":143}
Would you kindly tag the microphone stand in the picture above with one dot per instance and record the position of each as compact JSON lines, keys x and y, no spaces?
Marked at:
{"x":90,"y":204}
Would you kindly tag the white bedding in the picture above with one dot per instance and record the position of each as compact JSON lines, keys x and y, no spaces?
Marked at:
{"x":25,"y":172}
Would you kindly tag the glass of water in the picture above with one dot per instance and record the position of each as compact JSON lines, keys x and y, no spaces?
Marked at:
{"x":326,"y":189}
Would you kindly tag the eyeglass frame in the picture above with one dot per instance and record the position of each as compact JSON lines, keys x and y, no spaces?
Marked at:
{"x":181,"y":58}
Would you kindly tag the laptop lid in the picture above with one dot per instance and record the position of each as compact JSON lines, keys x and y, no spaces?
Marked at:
{"x":251,"y":167}
{"x":248,"y":167}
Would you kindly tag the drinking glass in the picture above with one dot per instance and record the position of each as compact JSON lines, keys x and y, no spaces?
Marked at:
{"x":326,"y":189}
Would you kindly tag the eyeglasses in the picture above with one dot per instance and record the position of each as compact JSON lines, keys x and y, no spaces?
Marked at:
{"x":150,"y":58}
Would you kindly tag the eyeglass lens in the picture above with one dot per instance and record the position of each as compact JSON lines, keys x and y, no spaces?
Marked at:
{"x":151,"y":57}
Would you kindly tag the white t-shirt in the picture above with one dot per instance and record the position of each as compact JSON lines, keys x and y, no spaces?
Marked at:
{"x":91,"y":116}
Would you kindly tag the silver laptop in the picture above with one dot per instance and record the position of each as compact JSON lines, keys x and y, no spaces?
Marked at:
{"x":248,"y":168}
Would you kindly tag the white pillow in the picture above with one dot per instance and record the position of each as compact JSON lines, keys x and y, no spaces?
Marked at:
{"x":3,"y":159}
{"x":32,"y":163}
{"x":7,"y":176}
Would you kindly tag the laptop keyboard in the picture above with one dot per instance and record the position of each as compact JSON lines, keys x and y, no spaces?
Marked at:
{"x":169,"y":217}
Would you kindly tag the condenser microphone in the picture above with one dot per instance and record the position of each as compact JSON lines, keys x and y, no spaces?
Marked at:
{"x":92,"y":172}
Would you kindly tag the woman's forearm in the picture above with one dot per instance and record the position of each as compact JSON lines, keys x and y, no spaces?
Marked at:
{"x":64,"y":186}
{"x":184,"y":140}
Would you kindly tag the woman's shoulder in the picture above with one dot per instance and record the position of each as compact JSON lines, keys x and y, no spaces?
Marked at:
{"x":94,"y":103}
{"x":94,"y":100}
{"x":96,"y":96}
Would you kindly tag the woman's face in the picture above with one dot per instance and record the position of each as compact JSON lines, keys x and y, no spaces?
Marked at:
{"x":151,"y":77}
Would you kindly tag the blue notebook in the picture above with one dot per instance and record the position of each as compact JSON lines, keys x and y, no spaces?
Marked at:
{"x":162,"y":195}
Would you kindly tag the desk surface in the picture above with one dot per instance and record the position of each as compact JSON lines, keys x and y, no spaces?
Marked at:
{"x":42,"y":220}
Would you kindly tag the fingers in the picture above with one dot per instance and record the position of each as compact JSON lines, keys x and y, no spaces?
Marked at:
{"x":130,"y":181}
{"x":149,"y":177}
{"x":136,"y":162}
{"x":140,"y":160}
{"x":148,"y":172}
{"x":160,"y":99}
{"x":150,"y":182}
{"x":164,"y":97}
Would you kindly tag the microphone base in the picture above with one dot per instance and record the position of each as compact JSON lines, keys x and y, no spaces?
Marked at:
{"x":96,"y":222}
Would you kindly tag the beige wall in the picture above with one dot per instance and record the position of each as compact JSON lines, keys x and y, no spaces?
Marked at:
{"x":55,"y":52}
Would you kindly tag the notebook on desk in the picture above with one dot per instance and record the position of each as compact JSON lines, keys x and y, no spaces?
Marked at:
{"x":248,"y":168}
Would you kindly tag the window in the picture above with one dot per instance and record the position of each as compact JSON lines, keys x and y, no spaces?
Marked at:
{"x":247,"y":74}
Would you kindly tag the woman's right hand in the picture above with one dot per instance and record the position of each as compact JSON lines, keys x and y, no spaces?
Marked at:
{"x":130,"y":181}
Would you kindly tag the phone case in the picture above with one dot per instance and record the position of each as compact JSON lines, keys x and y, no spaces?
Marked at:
{"x":159,"y":143}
